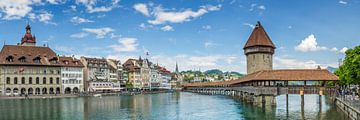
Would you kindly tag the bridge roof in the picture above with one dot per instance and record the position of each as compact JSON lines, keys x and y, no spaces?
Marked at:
{"x":278,"y":75}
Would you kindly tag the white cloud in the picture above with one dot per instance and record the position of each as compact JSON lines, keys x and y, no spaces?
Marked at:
{"x":209,"y":44}
{"x":56,"y":1}
{"x":288,"y":63}
{"x":164,"y":16}
{"x":206,"y":27}
{"x":100,"y":32}
{"x":261,"y":7}
{"x":16,"y":9}
{"x":79,"y":35}
{"x":342,"y":2}
{"x":309,"y":44}
{"x":343,"y":50}
{"x":125,"y":45}
{"x":144,"y":26}
{"x":334,"y":49}
{"x":167,"y":28}
{"x":65,"y":49}
{"x":206,"y":62}
{"x":79,"y":20}
{"x":91,"y":5}
{"x":43,"y":16}
{"x":249,"y":25}
{"x":142,"y":8}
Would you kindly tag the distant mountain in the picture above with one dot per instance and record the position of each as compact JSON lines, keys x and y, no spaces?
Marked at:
{"x":213,"y":71}
{"x":331,"y":69}
{"x":234,"y":73}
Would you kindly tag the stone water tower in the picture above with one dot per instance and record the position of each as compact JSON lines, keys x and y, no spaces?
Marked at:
{"x":259,"y":50}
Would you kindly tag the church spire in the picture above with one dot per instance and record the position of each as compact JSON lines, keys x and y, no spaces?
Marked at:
{"x":177,"y":68}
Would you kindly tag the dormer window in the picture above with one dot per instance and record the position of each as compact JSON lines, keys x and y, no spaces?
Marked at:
{"x":54,"y":60}
{"x":37,"y":60}
{"x":10,"y":58}
{"x":22,"y":59}
{"x":66,"y":62}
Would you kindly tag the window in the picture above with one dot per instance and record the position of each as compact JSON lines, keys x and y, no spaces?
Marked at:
{"x":22,"y":59}
{"x":10,"y":59}
{"x":37,"y":80}
{"x":37,"y":60}
{"x":23,"y":80}
{"x":8,"y":80}
{"x":57,"y":80}
{"x":44,"y":80}
{"x":44,"y":71}
{"x":30,"y":80}
{"x":51,"y":80}
{"x":15,"y":80}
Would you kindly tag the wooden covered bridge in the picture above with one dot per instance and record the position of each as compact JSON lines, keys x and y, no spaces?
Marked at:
{"x":263,"y":86}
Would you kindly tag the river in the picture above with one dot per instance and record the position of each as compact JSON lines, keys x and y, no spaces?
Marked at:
{"x":165,"y":106}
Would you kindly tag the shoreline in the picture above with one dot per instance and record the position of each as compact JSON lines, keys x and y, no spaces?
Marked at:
{"x":81,"y":95}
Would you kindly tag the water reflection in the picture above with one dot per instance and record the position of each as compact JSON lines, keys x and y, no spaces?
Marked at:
{"x":178,"y":106}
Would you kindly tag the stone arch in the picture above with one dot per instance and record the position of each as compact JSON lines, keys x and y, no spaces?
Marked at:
{"x":30,"y":91}
{"x":22,"y":91}
{"x":44,"y":90}
{"x":58,"y":90}
{"x":15,"y":91}
{"x":67,"y":90}
{"x":37,"y":91}
{"x":75,"y":90}
{"x":51,"y":90}
{"x":8,"y":91}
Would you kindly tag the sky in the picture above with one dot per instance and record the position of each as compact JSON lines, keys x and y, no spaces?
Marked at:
{"x":197,"y":34}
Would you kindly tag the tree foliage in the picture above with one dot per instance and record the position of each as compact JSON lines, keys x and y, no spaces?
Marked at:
{"x":349,"y":72}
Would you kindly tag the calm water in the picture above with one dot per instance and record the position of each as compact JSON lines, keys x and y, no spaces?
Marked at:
{"x":165,"y":106}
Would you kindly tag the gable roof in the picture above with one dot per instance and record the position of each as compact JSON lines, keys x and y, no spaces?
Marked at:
{"x":259,"y":37}
{"x":71,"y":62}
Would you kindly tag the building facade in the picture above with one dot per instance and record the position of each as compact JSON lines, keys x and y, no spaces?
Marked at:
{"x":27,"y":69}
{"x":71,"y":75}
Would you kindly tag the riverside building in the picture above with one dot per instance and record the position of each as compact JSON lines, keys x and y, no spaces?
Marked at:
{"x":29,"y":69}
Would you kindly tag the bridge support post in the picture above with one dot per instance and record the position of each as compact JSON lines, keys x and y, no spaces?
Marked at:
{"x":265,"y":100}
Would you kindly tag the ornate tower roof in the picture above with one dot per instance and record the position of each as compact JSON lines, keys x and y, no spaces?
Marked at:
{"x":259,"y":37}
{"x":28,"y":39}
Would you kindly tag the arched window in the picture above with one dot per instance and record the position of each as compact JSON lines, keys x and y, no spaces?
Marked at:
{"x":51,"y":80}
{"x":15,"y":80}
{"x":10,"y":58}
{"x":37,"y":80}
{"x":8,"y":80}
{"x":23,"y":80}
{"x":44,"y":80}
{"x":22,"y":59}
{"x":30,"y":80}
{"x":57,"y":80}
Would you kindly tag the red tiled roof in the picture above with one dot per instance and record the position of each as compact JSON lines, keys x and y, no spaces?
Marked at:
{"x":278,"y":75}
{"x":70,"y":62}
{"x":27,"y":52}
{"x":259,"y":37}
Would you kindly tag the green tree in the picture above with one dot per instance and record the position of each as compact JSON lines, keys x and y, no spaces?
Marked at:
{"x":349,"y":72}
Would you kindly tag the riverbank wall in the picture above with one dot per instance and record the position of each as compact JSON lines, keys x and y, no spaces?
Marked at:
{"x":348,"y":107}
{"x":80,"y":95}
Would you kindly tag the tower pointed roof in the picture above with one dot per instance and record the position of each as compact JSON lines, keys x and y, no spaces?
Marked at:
{"x":259,"y":37}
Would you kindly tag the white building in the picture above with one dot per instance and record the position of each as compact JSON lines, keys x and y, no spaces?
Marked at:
{"x":71,"y":75}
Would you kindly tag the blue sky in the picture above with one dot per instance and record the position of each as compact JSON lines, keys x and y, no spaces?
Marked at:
{"x":198,"y":34}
